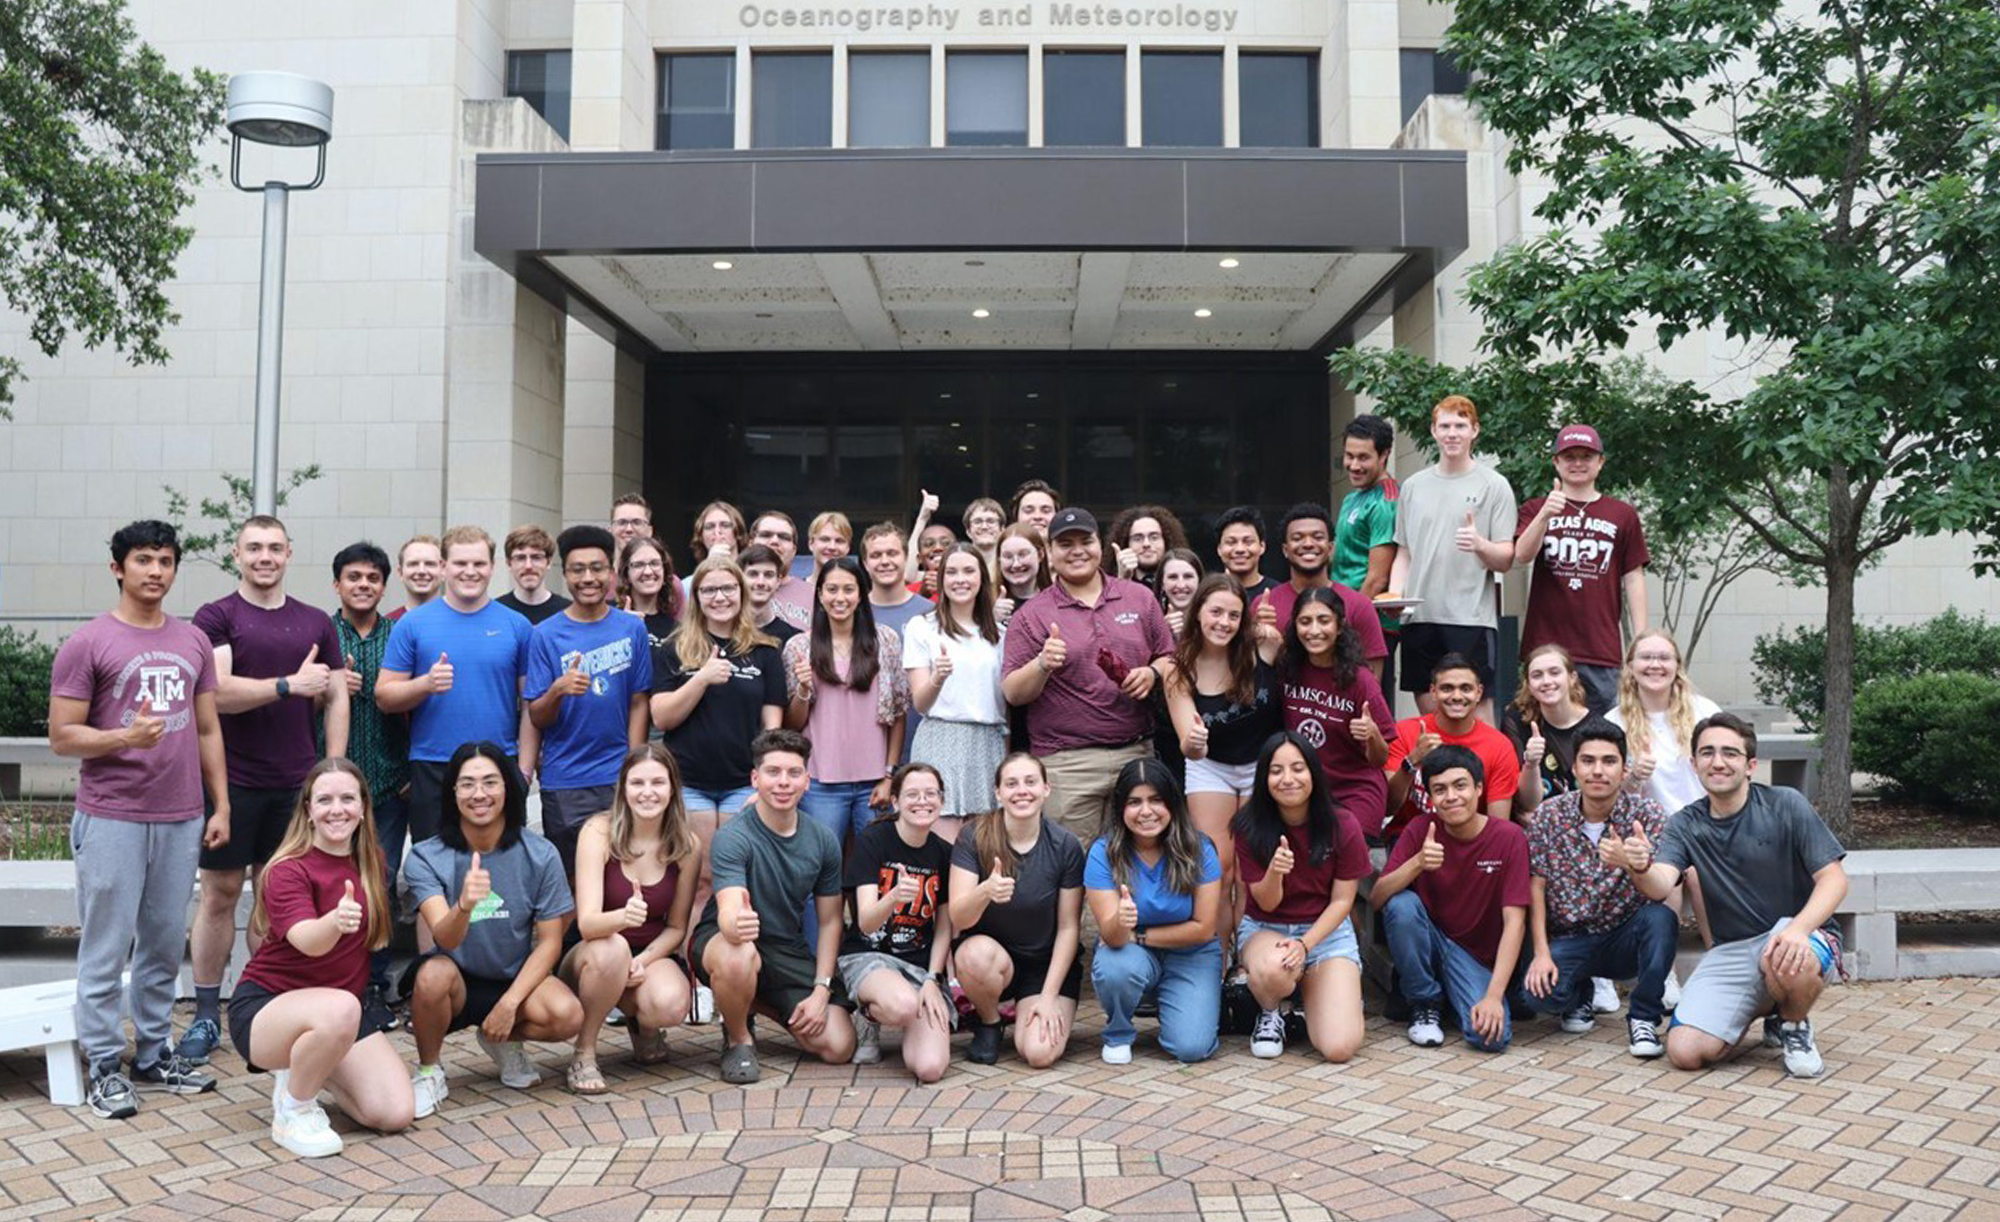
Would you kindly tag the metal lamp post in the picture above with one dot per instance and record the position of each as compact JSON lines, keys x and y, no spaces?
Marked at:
{"x":289,"y":111}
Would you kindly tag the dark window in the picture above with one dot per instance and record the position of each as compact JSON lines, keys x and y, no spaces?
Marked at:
{"x":1181,"y":98}
{"x":1083,"y":98}
{"x":791,"y":100}
{"x":541,"y":78}
{"x":1426,"y":72}
{"x":1278,"y":96}
{"x":889,"y":100}
{"x":697,"y":102}
{"x":986,"y":98}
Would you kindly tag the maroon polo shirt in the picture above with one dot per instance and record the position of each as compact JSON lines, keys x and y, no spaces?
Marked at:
{"x":1080,"y":706}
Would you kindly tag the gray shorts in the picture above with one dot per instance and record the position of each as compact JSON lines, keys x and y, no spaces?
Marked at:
{"x":1726,"y":993}
{"x":858,"y":967}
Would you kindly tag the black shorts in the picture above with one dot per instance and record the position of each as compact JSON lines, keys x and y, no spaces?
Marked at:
{"x":249,"y":999}
{"x":257,"y":822}
{"x":1425,"y":644}
{"x":482,"y":993}
{"x":1032,"y":973}
{"x":426,"y":796}
{"x":784,"y":977}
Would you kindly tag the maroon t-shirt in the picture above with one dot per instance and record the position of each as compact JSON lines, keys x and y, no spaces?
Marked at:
{"x":304,"y":889}
{"x":270,"y":747}
{"x":1309,"y":887}
{"x":1479,"y":878}
{"x":1357,"y":609}
{"x":1577,"y":590}
{"x":1320,"y":711}
{"x":123,"y":671}
{"x":1081,"y":705}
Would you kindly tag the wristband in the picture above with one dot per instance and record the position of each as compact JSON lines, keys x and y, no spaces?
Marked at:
{"x":284,"y":687}
{"x":823,"y":982}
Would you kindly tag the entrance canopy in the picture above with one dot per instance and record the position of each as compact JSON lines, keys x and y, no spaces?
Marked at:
{"x":954,"y":249}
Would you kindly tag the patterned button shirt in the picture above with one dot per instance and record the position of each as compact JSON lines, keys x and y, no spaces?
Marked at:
{"x":377,"y":742}
{"x":1584,"y":895}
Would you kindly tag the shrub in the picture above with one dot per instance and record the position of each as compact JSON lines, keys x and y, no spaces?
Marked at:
{"x":24,"y":684}
{"x":1928,"y":736}
{"x":1791,"y":666}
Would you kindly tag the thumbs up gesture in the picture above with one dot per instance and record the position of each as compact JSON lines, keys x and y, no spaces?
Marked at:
{"x":1128,"y":561}
{"x":634,"y":911}
{"x":999,"y":887}
{"x":1638,"y":850}
{"x":716,"y":670}
{"x":440,"y":674}
{"x":802,"y":677}
{"x":906,"y":890}
{"x":929,"y":504}
{"x":747,"y":926}
{"x":1363,"y":728}
{"x":1557,"y":502}
{"x":1536,"y":747}
{"x":1054,"y":652}
{"x":1468,"y":535}
{"x":1641,"y":772}
{"x":1432,"y":855}
{"x":1282,"y":860}
{"x":573,"y":682}
{"x":351,"y":674}
{"x":313,"y":675}
{"x":724,"y":549}
{"x":1195,"y":745}
{"x":1128,"y":910}
{"x":477,"y":886}
{"x":347,"y":913}
{"x":1003,"y":610}
{"x":1176,"y":622}
{"x":144,"y":731}
{"x":1427,"y":742}
{"x":941,"y":665}
{"x":1264,"y":628}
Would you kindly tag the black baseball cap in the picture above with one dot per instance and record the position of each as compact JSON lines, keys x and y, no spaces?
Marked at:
{"x":1071,"y":519}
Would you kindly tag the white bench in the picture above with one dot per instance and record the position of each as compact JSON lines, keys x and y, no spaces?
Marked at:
{"x":1885,"y":882}
{"x":38,"y":895}
{"x":16,"y":753}
{"x":44,"y":1016}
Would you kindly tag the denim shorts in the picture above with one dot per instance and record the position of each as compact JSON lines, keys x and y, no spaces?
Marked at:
{"x":728,"y":801}
{"x":1340,"y":942}
{"x":1208,"y":776}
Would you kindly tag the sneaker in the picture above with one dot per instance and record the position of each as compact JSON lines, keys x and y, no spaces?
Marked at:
{"x":175,"y":1076}
{"x":867,"y":1040}
{"x":1426,"y":1027}
{"x":616,"y":1017}
{"x":1801,"y":1056}
{"x":1580,"y":1019}
{"x":1644,"y":1039}
{"x":112,"y":1096}
{"x":739,"y":1064}
{"x":703,"y":1010}
{"x":303,"y":1129}
{"x":376,"y":1008}
{"x":985,"y":1049}
{"x":1603,"y":996}
{"x":1670,"y":998}
{"x":1267,"y":1038}
{"x":198,"y":1041}
{"x":1118,"y":1054}
{"x":430,"y":1088}
{"x":1772,"y":1038}
{"x":517,"y":1068}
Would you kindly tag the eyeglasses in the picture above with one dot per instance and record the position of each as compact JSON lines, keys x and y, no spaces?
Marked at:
{"x":586,"y":570}
{"x":716,"y":591}
{"x":774,"y":536}
{"x":923,"y":795}
{"x":646,"y":566}
{"x":491,"y":784}
{"x":1653,"y":657}
{"x":630,"y":522}
{"x":1732,"y":754}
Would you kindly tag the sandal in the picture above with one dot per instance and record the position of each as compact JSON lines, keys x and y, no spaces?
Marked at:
{"x":649,"y":1047}
{"x":584,"y":1078}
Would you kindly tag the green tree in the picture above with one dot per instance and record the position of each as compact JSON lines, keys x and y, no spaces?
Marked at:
{"x":216,"y":544}
{"x":1822,"y":185}
{"x":99,"y":156}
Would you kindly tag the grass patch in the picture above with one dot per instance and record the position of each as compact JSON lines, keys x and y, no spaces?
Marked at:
{"x":34,"y":831}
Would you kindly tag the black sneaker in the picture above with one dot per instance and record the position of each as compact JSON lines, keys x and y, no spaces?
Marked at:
{"x":985,"y":1049}
{"x":112,"y":1096}
{"x":380,"y":1015}
{"x":174,"y":1076}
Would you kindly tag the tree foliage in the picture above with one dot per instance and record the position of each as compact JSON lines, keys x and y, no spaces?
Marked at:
{"x":216,"y":544}
{"x":100,"y":152}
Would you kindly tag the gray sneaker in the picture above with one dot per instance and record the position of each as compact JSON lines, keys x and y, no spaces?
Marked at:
{"x":174,"y":1076}
{"x":112,"y":1096}
{"x":867,"y":1040}
{"x":1802,"y":1058}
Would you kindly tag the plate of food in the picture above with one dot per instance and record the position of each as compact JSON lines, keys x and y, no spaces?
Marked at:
{"x":1392,"y":601}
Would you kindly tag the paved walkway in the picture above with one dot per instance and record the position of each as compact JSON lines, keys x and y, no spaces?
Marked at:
{"x":1560,"y":1127}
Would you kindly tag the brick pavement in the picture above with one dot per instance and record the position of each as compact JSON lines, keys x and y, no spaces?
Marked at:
{"x":1562,"y":1126}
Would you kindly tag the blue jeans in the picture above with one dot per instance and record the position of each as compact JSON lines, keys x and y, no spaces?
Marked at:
{"x":1642,"y":947}
{"x":842,"y":806}
{"x":1436,"y":971}
{"x":727,"y":801}
{"x":1188,"y":982}
{"x":392,"y":825}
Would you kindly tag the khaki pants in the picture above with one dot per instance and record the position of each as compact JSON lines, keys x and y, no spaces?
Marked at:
{"x":1080,"y":784}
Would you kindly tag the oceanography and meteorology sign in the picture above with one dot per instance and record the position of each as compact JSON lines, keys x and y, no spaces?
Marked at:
{"x":1051,"y":15}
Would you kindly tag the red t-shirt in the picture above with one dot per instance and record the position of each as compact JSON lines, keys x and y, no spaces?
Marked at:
{"x":1479,"y":877}
{"x":1494,"y":749}
{"x":304,"y":889}
{"x":1577,"y":591}
{"x":1309,"y":887}
{"x":1355,"y":606}
{"x":1320,"y":711}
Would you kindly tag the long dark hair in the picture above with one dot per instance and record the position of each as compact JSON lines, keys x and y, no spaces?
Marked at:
{"x":982,"y":599}
{"x":1259,"y":826}
{"x":1242,"y":649}
{"x":864,"y":663}
{"x":1180,"y":844}
{"x":449,"y":830}
{"x":1294,"y":656}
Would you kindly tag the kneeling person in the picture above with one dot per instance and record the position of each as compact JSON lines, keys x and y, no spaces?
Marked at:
{"x":750,"y":945}
{"x":1586,"y":917}
{"x":495,"y":899}
{"x":1455,"y":904}
{"x":1771,"y":878}
{"x":892,"y":959}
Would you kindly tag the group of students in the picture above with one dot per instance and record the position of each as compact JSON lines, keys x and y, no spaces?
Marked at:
{"x":874,"y":787}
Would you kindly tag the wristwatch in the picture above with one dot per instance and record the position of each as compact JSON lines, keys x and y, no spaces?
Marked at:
{"x":1139,"y":936}
{"x":284,"y":687}
{"x":823,"y":982}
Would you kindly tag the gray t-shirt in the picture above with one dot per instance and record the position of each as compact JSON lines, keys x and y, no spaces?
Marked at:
{"x":528,"y":886}
{"x":1756,"y":867}
{"x":1455,"y":586}
{"x":1026,"y":924}
{"x":780,"y":872}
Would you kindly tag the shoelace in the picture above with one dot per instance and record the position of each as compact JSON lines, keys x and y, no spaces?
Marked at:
{"x":1796,"y":1039}
{"x":1269,"y":1026}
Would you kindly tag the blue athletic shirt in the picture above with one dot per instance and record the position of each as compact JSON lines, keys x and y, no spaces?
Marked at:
{"x":588,"y":741}
{"x":488,"y":651}
{"x":1157,"y":905}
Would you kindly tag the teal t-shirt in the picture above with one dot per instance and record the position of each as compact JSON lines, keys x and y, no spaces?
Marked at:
{"x":1367,"y":521}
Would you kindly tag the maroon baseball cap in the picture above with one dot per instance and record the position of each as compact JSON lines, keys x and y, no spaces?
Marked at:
{"x":1574,"y":436}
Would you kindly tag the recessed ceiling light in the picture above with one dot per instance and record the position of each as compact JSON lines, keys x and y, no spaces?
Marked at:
{"x":762,"y":315}
{"x":975,"y":263}
{"x":1204,"y":312}
{"x":982,"y":312}
{"x":722,"y":265}
{"x":1034,"y":394}
{"x":1228,"y":263}
{"x":944,"y":394}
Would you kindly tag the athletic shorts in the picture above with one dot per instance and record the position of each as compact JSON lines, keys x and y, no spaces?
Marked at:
{"x":258,"y":819}
{"x":482,"y":993}
{"x":1425,"y":644}
{"x":1031,"y":974}
{"x":784,"y":977}
{"x":1726,"y":993}
{"x":248,"y":1000}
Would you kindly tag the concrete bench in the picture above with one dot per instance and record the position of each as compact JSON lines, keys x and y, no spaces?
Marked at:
{"x":44,"y":1016}
{"x":1793,"y":760}
{"x":17,"y":753}
{"x":40,"y":895}
{"x":1883,"y":883}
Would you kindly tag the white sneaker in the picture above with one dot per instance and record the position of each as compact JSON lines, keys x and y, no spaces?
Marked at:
{"x":1644,"y":1041}
{"x":703,"y":1010}
{"x":1267,"y":1038}
{"x":430,"y":1088}
{"x":517,"y":1068}
{"x":1118,"y":1054}
{"x":1670,"y":997}
{"x":305,"y":1132}
{"x":867,"y":1040}
{"x":1604,"y":995}
{"x":1802,"y":1058}
{"x":1426,"y":1027}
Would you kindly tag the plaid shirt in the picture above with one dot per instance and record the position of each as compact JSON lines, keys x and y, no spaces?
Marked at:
{"x":377,"y":742}
{"x":1584,"y":895}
